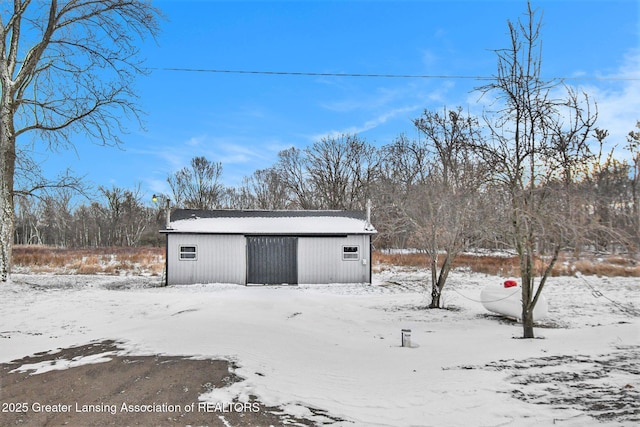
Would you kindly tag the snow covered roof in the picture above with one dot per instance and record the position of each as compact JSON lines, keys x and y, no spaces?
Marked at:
{"x":269,"y":222}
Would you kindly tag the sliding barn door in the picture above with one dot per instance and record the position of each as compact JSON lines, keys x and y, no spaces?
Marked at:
{"x":272,"y":260}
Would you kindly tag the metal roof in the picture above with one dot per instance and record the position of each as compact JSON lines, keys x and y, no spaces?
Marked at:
{"x":293,"y":222}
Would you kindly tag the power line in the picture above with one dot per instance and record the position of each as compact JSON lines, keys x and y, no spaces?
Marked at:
{"x":314,"y":74}
{"x":373,"y":75}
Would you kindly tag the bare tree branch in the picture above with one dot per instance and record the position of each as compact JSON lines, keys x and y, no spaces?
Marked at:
{"x":72,"y":72}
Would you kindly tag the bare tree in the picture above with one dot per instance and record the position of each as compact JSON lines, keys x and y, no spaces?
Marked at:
{"x":27,"y":216}
{"x":435,"y":187}
{"x":65,"y":66}
{"x":127,"y":217}
{"x":535,"y":139}
{"x":88,"y":221}
{"x":633,"y":146}
{"x":605,"y":199}
{"x":342,"y":171}
{"x":452,"y":194}
{"x":56,"y":214}
{"x":333,"y":173}
{"x":404,"y":165}
{"x":292,"y":170}
{"x":266,"y":190}
{"x":198,"y":186}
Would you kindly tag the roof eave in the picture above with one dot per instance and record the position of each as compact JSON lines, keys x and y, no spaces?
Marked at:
{"x":271,"y":233}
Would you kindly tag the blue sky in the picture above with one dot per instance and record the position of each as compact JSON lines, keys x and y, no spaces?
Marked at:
{"x":244,"y":120}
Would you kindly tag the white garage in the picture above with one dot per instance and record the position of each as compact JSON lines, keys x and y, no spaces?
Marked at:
{"x":268,"y":247}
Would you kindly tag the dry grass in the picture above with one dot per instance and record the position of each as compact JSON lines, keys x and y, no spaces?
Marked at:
{"x":505,"y":266}
{"x":112,"y":261}
{"x":488,"y":264}
{"x":150,"y":260}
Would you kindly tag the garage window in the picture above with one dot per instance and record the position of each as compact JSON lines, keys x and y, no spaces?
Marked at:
{"x":350,"y":253}
{"x":188,"y":253}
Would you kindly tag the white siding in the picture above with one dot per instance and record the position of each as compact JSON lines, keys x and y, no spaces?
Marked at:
{"x":219,"y":259}
{"x":320,"y":260}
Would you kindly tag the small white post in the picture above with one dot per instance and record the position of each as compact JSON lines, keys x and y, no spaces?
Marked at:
{"x":406,"y":338}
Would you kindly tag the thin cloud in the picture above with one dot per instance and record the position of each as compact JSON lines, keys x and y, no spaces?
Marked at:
{"x":619,"y":101}
{"x":359,"y":101}
{"x":195,"y":141}
{"x":369,"y":124}
{"x":239,"y":157}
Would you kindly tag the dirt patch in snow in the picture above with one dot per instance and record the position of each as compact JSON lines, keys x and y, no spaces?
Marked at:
{"x":97,"y":385}
{"x":606,"y":387}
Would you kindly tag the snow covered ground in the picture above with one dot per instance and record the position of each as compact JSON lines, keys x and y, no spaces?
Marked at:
{"x":337,"y":348}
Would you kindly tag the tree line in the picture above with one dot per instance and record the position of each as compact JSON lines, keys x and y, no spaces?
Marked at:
{"x":424,"y":188}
